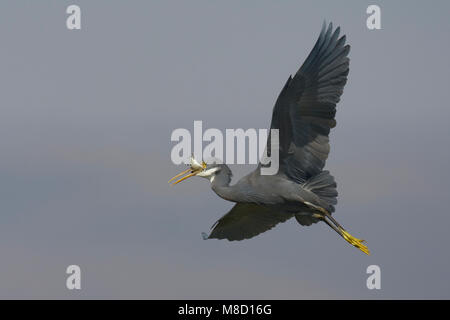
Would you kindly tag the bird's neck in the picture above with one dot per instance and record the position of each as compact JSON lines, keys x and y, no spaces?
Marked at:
{"x":223,"y":191}
{"x":221,"y":186}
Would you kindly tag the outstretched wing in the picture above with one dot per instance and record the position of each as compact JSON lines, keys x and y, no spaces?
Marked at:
{"x":246,"y":220}
{"x":305,"y":109}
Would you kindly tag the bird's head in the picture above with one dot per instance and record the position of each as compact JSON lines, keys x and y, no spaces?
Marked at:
{"x":208,"y":171}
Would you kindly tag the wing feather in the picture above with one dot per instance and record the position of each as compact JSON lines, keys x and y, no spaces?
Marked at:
{"x":305,"y":110}
{"x":246,"y":220}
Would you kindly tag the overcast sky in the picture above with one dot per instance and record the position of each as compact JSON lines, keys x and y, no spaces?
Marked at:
{"x":85,"y":125}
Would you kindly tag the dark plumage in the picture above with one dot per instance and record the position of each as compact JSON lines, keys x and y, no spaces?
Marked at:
{"x":304,"y":113}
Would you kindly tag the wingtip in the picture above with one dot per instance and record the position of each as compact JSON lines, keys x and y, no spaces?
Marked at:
{"x":337,"y":31}
{"x":328,"y":26}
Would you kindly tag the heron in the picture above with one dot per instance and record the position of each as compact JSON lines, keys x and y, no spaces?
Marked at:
{"x":304,"y":114}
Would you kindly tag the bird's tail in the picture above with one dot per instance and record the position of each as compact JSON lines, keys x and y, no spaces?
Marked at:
{"x":324,"y":186}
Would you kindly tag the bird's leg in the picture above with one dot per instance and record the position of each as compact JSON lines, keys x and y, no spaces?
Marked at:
{"x":324,"y":215}
{"x":358,"y":243}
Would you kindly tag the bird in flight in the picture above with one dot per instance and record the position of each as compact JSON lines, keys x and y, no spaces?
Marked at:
{"x":303,"y":114}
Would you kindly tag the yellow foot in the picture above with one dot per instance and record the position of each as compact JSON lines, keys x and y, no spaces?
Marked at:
{"x":358,"y":243}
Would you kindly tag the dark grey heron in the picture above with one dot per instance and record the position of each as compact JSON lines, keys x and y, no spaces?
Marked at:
{"x":304,"y":113}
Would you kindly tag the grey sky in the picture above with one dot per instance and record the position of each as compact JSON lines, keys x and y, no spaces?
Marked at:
{"x":85,"y":125}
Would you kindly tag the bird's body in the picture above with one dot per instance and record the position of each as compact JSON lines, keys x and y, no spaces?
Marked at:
{"x":269,"y":190}
{"x":303,"y":115}
{"x":278,"y":194}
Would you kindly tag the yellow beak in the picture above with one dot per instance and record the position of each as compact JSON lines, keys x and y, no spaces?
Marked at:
{"x":191,"y":174}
